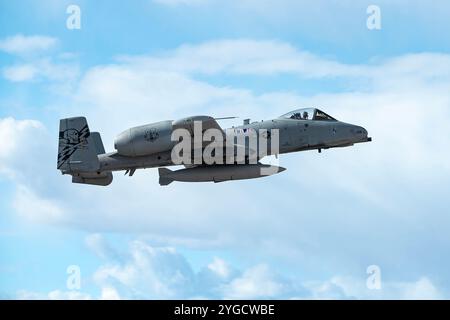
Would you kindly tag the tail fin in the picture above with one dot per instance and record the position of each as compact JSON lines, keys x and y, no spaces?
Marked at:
{"x":163,"y":179}
{"x":78,"y":152}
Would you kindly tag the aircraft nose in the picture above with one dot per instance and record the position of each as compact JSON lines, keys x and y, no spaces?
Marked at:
{"x":359,"y":131}
{"x":363,"y":131}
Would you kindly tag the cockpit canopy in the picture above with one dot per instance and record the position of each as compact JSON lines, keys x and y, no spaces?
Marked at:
{"x":308,"y":114}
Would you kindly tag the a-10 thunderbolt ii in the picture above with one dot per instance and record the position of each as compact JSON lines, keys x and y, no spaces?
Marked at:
{"x":81,"y":153}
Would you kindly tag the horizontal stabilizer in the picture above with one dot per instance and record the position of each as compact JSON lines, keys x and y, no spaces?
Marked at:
{"x":101,"y":179}
{"x":99,"y":148}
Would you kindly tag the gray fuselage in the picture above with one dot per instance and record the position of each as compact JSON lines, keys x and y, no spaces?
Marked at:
{"x":294,"y":135}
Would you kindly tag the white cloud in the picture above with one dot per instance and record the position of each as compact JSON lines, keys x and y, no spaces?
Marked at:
{"x":68,"y":295}
{"x":269,"y":57}
{"x":422,"y":289}
{"x":34,"y":62}
{"x":220,"y":267}
{"x":347,"y":287}
{"x":327,"y":291}
{"x":12,"y":132}
{"x":245,"y":56}
{"x":25,"y":155}
{"x":161,"y":272}
{"x":19,"y":73}
{"x":30,"y":295}
{"x":35,"y":208}
{"x":256,"y":283}
{"x":42,"y":69}
{"x":16,"y":136}
{"x":149,"y":272}
{"x":21,"y":45}
{"x":97,"y":244}
{"x":109,"y":293}
{"x":52,"y":295}
{"x":22,"y":143}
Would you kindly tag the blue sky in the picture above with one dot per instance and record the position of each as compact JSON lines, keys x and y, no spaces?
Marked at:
{"x":310,"y":232}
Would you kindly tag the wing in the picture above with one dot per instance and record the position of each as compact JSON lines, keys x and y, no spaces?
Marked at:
{"x":211,"y":123}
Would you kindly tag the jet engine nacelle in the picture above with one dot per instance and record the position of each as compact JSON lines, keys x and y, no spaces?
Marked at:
{"x":144,"y":140}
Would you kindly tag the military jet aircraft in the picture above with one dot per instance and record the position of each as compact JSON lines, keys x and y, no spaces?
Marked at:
{"x":82,"y":155}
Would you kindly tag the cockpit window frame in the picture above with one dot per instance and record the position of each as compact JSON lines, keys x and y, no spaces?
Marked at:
{"x":304,"y":114}
{"x":326,"y":117}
